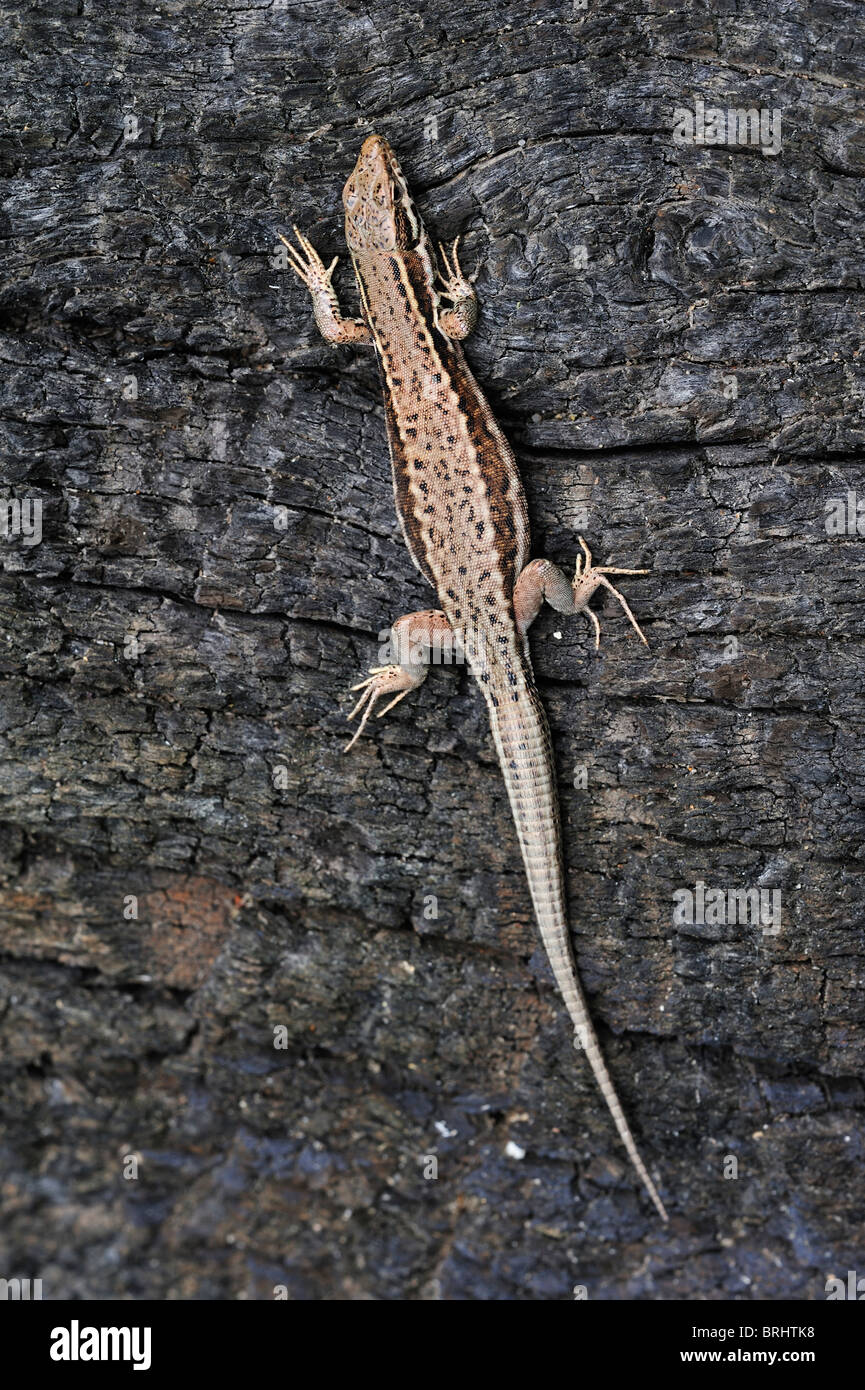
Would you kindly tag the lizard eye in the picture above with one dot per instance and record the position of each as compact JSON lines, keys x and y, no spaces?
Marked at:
{"x":351,"y":194}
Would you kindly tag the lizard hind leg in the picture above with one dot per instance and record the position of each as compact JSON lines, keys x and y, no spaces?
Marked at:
{"x":541,"y":581}
{"x":382,"y":680}
{"x":588,"y":577}
{"x":416,"y":640}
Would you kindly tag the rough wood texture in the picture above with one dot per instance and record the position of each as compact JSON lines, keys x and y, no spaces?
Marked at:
{"x":219,"y":554}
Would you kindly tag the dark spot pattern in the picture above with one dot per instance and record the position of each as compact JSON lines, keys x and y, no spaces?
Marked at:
{"x":462,"y":512}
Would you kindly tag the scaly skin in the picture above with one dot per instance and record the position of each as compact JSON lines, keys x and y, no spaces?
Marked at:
{"x":463,"y":514}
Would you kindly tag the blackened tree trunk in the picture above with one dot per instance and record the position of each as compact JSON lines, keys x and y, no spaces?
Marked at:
{"x":272,"y":1016}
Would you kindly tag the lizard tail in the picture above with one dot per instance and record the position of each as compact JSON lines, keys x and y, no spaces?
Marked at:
{"x":524,"y":747}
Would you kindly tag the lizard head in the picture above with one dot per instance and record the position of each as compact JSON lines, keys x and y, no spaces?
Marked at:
{"x":379,"y":212}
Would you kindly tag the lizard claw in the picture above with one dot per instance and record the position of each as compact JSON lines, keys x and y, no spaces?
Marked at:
{"x":382,"y":680}
{"x":456,"y":286}
{"x":309,"y":267}
{"x":589,"y":577}
{"x":373,"y":672}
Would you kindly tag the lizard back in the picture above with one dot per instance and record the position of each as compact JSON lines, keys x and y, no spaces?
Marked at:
{"x":458,"y":492}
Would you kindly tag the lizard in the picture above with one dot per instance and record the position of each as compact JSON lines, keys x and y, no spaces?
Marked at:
{"x":463,"y":515}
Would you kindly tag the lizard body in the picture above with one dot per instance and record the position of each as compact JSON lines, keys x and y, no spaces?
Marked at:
{"x":463,"y":515}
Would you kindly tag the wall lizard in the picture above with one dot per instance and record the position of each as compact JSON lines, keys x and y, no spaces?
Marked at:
{"x":463,"y":515}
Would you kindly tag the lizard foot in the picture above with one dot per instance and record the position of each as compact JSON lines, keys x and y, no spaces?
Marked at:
{"x":382,"y":680}
{"x":588,"y":578}
{"x":318,"y":278}
{"x":455,"y":284}
{"x":309,"y":266}
{"x":459,"y":320}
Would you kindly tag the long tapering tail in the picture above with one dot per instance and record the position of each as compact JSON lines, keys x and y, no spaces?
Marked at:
{"x":524,"y":747}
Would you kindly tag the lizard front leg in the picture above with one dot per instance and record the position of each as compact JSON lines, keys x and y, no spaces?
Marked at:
{"x":459,"y":320}
{"x":325,"y":305}
{"x":416,"y":640}
{"x":541,"y":580}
